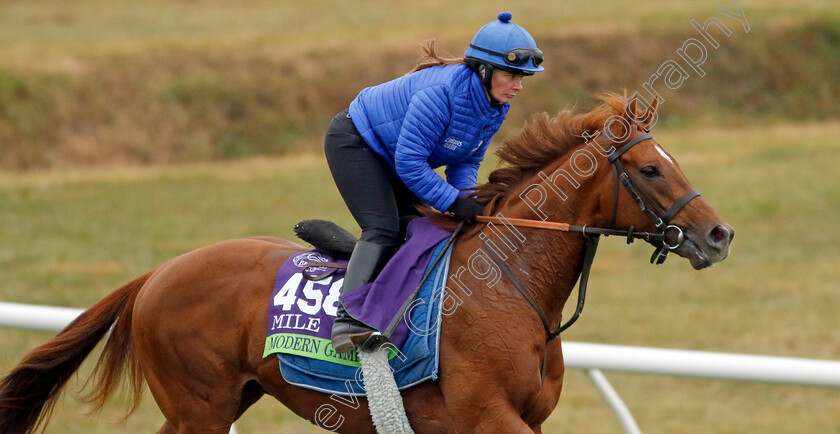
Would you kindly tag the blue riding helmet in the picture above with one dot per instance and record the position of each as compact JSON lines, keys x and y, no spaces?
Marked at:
{"x":506,"y":46}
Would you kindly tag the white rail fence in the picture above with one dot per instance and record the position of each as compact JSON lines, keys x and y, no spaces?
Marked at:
{"x":591,"y":358}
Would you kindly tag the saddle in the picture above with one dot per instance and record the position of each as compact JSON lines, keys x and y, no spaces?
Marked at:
{"x":330,"y":238}
{"x":327,"y":237}
{"x":304,"y":298}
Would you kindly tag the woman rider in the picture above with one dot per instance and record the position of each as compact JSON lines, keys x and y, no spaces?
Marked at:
{"x":383,"y":149}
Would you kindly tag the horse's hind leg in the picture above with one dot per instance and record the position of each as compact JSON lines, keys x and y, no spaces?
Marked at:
{"x":196,"y":330}
{"x":190,"y":407}
{"x":196,"y":389}
{"x":196,"y":394}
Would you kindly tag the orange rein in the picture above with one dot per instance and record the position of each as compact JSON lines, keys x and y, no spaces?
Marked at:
{"x":586,"y":230}
{"x":525,"y":223}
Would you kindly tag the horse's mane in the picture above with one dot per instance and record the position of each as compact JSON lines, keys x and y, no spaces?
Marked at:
{"x":541,"y":141}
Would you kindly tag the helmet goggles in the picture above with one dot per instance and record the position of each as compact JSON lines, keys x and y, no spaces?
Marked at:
{"x":516,"y":56}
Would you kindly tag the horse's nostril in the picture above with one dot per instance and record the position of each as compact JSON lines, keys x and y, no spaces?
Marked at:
{"x":719,"y":235}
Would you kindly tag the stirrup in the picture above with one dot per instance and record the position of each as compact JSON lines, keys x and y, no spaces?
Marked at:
{"x":366,"y":340}
{"x":373,"y":342}
{"x":348,"y":333}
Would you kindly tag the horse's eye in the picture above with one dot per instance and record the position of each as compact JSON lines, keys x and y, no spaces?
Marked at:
{"x":649,"y":171}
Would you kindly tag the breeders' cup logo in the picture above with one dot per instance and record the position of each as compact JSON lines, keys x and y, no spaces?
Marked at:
{"x":301,"y":260}
{"x":451,"y":143}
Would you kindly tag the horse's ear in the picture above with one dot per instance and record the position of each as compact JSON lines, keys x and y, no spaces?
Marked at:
{"x":654,"y":105}
{"x":650,"y":117}
{"x":630,"y":110}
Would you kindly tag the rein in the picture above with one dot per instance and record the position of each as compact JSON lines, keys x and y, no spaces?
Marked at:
{"x":592,"y":235}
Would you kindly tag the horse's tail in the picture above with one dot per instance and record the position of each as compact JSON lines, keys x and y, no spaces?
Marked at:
{"x":30,"y":391}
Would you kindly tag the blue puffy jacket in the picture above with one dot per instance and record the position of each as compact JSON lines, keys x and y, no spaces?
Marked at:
{"x":438,"y":116}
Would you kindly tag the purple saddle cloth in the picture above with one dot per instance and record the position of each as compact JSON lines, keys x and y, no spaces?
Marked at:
{"x":301,"y":313}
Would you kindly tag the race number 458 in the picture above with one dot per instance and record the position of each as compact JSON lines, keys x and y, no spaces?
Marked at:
{"x":311,"y":298}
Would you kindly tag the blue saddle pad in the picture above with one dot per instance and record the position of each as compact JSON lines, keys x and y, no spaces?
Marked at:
{"x":417,"y":360}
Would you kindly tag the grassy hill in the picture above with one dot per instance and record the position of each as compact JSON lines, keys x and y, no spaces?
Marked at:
{"x":120,"y":82}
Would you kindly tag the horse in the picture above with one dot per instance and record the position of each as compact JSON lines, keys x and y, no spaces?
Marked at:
{"x":193,"y":328}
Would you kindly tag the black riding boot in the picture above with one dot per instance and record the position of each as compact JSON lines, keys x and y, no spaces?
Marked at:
{"x":366,"y":262}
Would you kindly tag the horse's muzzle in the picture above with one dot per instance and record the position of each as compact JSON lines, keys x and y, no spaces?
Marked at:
{"x":707,"y":246}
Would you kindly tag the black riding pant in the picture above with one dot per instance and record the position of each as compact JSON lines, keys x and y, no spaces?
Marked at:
{"x":381,"y":205}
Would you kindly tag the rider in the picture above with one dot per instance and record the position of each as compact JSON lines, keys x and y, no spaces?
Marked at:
{"x":383,"y":149}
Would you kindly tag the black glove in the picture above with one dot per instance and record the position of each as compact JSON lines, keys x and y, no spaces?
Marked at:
{"x":465,"y":209}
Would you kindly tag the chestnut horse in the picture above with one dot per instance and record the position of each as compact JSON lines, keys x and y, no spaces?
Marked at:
{"x":194,"y":328}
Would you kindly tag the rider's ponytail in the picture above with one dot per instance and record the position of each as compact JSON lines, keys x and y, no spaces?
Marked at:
{"x":429,"y":57}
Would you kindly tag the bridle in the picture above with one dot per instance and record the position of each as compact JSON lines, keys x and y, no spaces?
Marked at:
{"x":661,"y":220}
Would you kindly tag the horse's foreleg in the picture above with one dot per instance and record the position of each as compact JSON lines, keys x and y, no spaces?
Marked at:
{"x":480,"y":400}
{"x":496,"y":417}
{"x":167,"y":428}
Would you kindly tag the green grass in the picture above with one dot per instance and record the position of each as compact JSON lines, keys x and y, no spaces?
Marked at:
{"x":71,"y":237}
